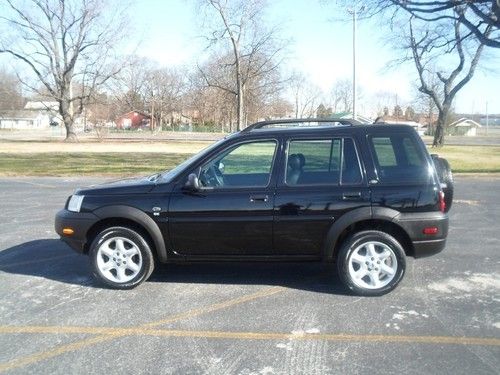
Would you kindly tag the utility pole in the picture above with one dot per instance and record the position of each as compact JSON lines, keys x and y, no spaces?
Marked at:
{"x":354,"y":108}
{"x":354,"y":12}
{"x":487,"y":118}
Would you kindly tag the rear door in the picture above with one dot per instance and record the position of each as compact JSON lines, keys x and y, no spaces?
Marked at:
{"x":403,"y":180}
{"x":322,"y":180}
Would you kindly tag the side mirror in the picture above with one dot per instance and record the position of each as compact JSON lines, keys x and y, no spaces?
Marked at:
{"x":192,"y":183}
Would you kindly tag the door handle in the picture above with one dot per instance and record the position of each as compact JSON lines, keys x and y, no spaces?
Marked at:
{"x":351,"y":195}
{"x":259,"y":198}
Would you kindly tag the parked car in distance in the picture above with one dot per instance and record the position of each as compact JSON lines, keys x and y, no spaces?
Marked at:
{"x":362,"y":196}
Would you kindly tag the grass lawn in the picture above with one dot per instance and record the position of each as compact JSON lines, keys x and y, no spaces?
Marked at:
{"x":87,"y":163}
{"x":471,"y":159}
{"x":463,"y":159}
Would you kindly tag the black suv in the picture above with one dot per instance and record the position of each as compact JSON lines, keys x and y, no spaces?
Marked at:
{"x":364,"y":196}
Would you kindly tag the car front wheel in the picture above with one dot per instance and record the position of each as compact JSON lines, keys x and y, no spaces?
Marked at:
{"x":371,"y":263}
{"x":121,"y":258}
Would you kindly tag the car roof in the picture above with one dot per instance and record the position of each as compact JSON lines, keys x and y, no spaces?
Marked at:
{"x":317,"y":127}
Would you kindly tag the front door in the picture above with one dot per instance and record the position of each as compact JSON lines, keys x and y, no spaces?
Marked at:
{"x":232,"y":213}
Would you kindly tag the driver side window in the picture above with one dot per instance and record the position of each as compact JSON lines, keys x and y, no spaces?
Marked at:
{"x":245,"y":165}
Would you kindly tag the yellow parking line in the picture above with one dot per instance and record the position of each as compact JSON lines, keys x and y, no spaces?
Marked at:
{"x":40,"y":356}
{"x":120,"y":332}
{"x":116,"y":332}
{"x":217,"y":306}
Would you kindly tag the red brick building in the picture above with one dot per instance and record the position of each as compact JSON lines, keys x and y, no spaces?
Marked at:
{"x":133,"y":120}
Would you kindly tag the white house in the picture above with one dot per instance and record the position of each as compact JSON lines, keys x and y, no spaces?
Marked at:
{"x":35,"y":115}
{"x":464,"y":126}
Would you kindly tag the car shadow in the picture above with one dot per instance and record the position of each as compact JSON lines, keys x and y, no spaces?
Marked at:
{"x":54,"y":260}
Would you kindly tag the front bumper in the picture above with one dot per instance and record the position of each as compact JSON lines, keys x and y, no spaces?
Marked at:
{"x":424,"y":244}
{"x":80,"y":223}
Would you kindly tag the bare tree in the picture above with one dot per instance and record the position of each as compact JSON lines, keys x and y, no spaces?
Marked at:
{"x":426,"y":47}
{"x":254,"y":50}
{"x":305,"y":95}
{"x":10,"y":91}
{"x":164,"y":91}
{"x":481,"y":18}
{"x":64,"y":43}
{"x":341,"y":96}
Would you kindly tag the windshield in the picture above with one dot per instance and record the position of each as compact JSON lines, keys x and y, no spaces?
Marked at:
{"x":170,"y":175}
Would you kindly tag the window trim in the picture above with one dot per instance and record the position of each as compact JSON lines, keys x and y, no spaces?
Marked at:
{"x":324,"y":138}
{"x":276,"y":141}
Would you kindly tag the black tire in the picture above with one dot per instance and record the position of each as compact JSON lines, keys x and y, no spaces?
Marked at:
{"x":356,"y":241}
{"x":445,"y":175}
{"x":131,"y":237}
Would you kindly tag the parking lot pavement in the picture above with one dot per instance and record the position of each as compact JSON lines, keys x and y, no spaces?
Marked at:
{"x":245,"y":318}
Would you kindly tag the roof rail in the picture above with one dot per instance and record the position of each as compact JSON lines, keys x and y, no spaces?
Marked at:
{"x":262,"y":124}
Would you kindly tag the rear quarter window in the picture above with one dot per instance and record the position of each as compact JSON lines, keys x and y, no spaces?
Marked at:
{"x":399,"y":159}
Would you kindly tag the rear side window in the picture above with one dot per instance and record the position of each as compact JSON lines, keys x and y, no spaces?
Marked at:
{"x":322,"y":161}
{"x":398,"y":159}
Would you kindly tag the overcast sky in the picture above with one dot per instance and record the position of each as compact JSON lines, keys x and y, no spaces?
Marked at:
{"x":319,"y":47}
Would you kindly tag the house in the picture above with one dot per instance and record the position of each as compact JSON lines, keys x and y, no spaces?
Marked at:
{"x":464,"y":126}
{"x":35,"y":115}
{"x":349,"y":115}
{"x":391,"y":120}
{"x":133,"y":120}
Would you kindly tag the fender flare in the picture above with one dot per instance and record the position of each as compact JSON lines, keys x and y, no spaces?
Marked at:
{"x":352,"y":217}
{"x":141,"y":218}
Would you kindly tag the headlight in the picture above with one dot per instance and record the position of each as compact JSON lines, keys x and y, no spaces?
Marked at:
{"x":75,"y":203}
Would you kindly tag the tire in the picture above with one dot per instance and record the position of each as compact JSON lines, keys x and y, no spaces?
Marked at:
{"x":121,"y":258}
{"x":364,"y":262}
{"x":445,"y":175}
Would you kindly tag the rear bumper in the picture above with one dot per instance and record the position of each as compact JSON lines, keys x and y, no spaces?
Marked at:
{"x":80,"y":223}
{"x":427,"y":248}
{"x":424,"y":244}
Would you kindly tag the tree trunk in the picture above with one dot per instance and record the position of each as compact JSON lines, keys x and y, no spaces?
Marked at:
{"x":65,"y":112}
{"x":441,"y":123}
{"x":240,"y":111}
{"x":70,"y":131}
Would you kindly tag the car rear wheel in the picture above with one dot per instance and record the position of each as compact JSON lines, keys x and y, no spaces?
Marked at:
{"x":121,"y":258}
{"x":371,"y":263}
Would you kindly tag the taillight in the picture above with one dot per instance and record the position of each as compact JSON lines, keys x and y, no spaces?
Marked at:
{"x":430,"y":230}
{"x":442,"y":203}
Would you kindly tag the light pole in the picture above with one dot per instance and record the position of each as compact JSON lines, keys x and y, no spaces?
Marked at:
{"x":354,"y":12}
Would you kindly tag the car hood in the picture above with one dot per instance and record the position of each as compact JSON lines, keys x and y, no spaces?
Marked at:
{"x":136,"y":185}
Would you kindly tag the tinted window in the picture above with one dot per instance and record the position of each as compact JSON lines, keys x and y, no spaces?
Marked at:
{"x":248,"y":164}
{"x":398,"y":159}
{"x":313,"y":162}
{"x":351,"y":173}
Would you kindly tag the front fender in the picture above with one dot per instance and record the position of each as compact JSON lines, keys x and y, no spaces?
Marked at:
{"x":141,"y":218}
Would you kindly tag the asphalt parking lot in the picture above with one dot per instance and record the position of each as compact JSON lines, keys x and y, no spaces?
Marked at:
{"x":245,"y":318}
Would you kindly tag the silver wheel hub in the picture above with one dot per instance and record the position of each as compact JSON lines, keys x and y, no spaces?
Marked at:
{"x":119,"y":259}
{"x":372,"y":265}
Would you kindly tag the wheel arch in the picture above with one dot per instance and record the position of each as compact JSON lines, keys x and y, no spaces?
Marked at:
{"x":381,"y":219}
{"x":133,"y":218}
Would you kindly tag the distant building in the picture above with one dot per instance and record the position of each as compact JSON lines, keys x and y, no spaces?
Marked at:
{"x":35,"y":115}
{"x":391,"y":120}
{"x":133,"y":120}
{"x":493,"y":120}
{"x":464,"y":126}
{"x":350,"y":115}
